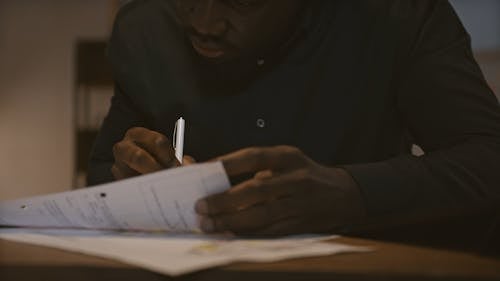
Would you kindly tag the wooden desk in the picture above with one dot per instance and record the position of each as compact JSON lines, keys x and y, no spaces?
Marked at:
{"x":389,"y":262}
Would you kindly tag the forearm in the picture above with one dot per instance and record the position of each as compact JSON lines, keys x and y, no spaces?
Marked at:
{"x":456,"y":176}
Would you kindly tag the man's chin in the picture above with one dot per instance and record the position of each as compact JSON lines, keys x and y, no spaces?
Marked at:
{"x":212,"y":53}
{"x":209,"y":53}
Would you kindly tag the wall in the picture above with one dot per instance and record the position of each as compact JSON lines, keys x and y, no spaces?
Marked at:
{"x":482,"y":20}
{"x":36,"y":88}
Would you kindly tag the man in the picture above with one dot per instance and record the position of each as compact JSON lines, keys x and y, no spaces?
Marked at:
{"x":311,"y":106}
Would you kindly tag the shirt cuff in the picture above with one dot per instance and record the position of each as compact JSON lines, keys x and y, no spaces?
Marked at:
{"x":383,"y":189}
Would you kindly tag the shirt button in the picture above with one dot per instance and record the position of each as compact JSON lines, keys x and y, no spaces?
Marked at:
{"x":261,"y":123}
{"x":261,"y":62}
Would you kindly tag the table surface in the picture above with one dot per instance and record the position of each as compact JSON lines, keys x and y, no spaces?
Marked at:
{"x":390,"y":261}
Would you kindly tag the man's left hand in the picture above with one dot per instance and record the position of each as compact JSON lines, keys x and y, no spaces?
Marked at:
{"x":289,"y":194}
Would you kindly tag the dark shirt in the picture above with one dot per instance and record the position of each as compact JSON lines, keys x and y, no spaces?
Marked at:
{"x":358,"y":84}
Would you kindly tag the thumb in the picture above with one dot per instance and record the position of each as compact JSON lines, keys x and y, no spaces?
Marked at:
{"x":188,"y":160}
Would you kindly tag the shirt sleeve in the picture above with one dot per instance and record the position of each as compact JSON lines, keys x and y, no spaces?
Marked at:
{"x":124,"y":113}
{"x":452,"y":114}
{"x":121,"y":117}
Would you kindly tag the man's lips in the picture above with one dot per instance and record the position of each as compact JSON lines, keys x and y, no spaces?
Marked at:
{"x":206,"y":51}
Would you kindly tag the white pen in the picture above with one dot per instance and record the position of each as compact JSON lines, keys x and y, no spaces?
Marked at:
{"x":180,"y":126}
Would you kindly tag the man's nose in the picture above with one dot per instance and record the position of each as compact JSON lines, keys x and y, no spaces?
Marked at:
{"x":206,"y":17}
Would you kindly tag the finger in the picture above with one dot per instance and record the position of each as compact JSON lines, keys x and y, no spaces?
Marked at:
{"x":289,"y":226}
{"x":117,"y":173}
{"x":122,"y":171}
{"x":299,"y":224}
{"x":262,"y":175}
{"x":188,"y":160}
{"x":252,"y":160}
{"x":135,"y":157}
{"x":253,"y":191}
{"x":254,"y":217}
{"x":155,"y":143}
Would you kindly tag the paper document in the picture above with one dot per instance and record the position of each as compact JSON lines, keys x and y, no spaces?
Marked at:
{"x":162,"y":201}
{"x":120,"y":221}
{"x":175,"y":254}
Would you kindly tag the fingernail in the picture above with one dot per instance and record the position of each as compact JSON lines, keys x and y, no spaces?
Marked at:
{"x":201,"y":207}
{"x":207,"y":225}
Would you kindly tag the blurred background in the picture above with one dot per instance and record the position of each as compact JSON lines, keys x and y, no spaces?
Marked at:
{"x":55,"y":85}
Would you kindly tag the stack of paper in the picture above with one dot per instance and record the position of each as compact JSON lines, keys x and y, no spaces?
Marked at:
{"x":150,"y":222}
{"x":160,"y":201}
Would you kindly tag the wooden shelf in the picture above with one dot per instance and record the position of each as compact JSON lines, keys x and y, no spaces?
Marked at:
{"x":93,"y":73}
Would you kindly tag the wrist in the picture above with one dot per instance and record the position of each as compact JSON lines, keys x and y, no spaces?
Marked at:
{"x":352,"y":192}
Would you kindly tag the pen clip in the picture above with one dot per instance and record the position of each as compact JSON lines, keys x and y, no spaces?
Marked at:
{"x":174,"y":140}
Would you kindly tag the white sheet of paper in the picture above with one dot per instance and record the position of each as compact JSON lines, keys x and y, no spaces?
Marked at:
{"x":160,"y":201}
{"x":173,"y":254}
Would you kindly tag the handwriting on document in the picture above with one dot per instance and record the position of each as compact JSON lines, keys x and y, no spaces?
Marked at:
{"x":163,"y":201}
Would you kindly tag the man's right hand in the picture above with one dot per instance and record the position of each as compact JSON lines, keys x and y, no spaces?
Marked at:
{"x":143,"y":151}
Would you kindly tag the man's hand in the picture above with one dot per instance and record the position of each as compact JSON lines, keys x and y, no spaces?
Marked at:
{"x":289,"y":194}
{"x":143,"y":151}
